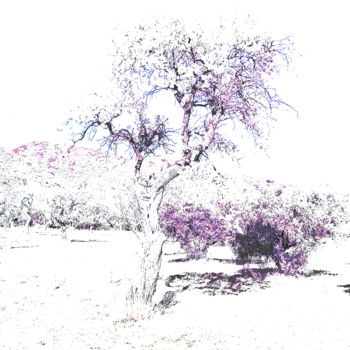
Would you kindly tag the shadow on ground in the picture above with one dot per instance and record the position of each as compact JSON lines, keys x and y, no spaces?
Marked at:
{"x":224,"y":261}
{"x":87,"y":241}
{"x":312,"y":273}
{"x":346,"y":287}
{"x":214,"y":283}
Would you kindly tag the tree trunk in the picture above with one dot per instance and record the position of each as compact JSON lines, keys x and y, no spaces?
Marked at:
{"x":27,"y":224}
{"x":151,"y":240}
{"x":144,"y":284}
{"x":47,"y":223}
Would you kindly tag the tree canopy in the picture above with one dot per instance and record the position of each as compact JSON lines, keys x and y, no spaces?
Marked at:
{"x":214,"y":78}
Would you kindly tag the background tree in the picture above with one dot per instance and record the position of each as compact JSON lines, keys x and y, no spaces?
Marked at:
{"x":41,"y":183}
{"x":216,"y":79}
{"x":13,"y":184}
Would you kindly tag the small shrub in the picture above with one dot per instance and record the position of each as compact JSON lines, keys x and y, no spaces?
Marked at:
{"x":194,"y":227}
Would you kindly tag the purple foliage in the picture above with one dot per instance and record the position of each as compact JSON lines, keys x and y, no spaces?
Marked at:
{"x":279,"y":230}
{"x":271,"y":238}
{"x":279,"y":223}
{"x":285,"y":236}
{"x":290,"y":263}
{"x":195,"y":228}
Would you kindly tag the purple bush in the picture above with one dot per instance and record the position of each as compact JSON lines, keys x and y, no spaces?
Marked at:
{"x":272,"y":225}
{"x":194,"y":227}
{"x":281,"y":229}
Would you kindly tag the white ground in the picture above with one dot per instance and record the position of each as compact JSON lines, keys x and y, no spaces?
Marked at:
{"x":68,"y":295}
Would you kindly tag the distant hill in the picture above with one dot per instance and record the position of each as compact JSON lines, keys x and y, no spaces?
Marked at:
{"x":77,"y":164}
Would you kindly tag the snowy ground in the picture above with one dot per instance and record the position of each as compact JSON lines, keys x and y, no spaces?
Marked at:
{"x":58,"y":294}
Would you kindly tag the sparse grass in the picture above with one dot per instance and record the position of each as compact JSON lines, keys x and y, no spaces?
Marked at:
{"x":86,"y":311}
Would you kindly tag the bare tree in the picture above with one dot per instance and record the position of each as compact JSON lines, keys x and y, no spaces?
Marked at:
{"x":214,"y":79}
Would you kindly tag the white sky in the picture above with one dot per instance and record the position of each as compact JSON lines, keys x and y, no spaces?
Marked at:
{"x":54,"y":53}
